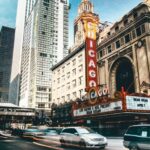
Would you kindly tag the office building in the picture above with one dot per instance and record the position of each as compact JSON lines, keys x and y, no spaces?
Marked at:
{"x":6,"y":52}
{"x":44,"y":43}
{"x":23,"y":11}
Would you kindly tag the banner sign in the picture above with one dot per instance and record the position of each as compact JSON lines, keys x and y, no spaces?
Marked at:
{"x":90,"y":29}
{"x":91,"y":110}
{"x":91,"y":63}
{"x":137,"y":103}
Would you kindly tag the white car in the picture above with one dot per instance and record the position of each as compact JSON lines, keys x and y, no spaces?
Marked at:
{"x":82,"y":137}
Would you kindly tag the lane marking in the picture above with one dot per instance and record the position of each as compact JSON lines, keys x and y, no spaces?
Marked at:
{"x":43,"y":145}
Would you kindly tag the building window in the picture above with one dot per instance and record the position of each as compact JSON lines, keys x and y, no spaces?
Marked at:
{"x":63,"y":78}
{"x":138,"y":31}
{"x":116,"y":28}
{"x":58,"y":100}
{"x":68,"y":86}
{"x":58,"y":72}
{"x":81,"y":80}
{"x":63,"y":98}
{"x":108,"y":34}
{"x":68,"y":75}
{"x":109,"y":49}
{"x":41,"y":89}
{"x":133,"y":34}
{"x":118,"y":44}
{"x":63,"y":69}
{"x":122,"y":41}
{"x":125,"y":22}
{"x":127,"y":38}
{"x":74,"y":83}
{"x":80,"y":68}
{"x":45,"y":16}
{"x":47,"y":1}
{"x":58,"y":80}
{"x":74,"y":72}
{"x":43,"y":54}
{"x":41,"y":105}
{"x":81,"y":93}
{"x":74,"y":95}
{"x":46,"y":4}
{"x":135,"y":15}
{"x":74,"y":62}
{"x":50,"y":97}
{"x":68,"y":97}
{"x":101,"y":53}
{"x":80,"y":58}
{"x":143,"y":28}
{"x":68,"y":65}
{"x":43,"y":32}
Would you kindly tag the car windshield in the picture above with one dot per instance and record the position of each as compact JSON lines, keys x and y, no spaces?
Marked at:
{"x":85,"y":131}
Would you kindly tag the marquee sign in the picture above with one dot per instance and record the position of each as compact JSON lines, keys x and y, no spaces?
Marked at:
{"x":137,"y":103}
{"x":101,"y":108}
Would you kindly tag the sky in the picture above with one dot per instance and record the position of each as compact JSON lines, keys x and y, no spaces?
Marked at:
{"x":108,"y":10}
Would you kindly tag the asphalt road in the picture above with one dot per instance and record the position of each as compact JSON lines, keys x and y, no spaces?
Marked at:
{"x":16,"y":143}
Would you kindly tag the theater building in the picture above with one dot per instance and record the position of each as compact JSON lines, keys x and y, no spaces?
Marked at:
{"x":119,"y":96}
{"x":124,"y":53}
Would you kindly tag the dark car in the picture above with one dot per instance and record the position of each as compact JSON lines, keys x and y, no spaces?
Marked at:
{"x":137,"y":137}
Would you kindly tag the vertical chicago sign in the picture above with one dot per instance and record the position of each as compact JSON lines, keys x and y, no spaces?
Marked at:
{"x":90,"y":27}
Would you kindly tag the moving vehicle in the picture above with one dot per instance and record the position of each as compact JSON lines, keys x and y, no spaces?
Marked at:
{"x":31,"y":132}
{"x":5,"y":134}
{"x":82,"y":137}
{"x":137,"y":137}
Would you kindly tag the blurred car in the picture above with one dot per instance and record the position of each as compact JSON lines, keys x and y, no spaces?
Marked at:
{"x":50,"y":131}
{"x":5,"y":133}
{"x":82,"y":137}
{"x":48,"y":136}
{"x":57,"y":129}
{"x":31,"y":132}
{"x":137,"y":137}
{"x":17,"y":132}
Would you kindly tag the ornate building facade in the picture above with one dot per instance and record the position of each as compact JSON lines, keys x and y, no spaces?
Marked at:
{"x":124,"y":53}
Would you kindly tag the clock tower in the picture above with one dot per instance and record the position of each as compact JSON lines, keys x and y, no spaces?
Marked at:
{"x":85,"y":15}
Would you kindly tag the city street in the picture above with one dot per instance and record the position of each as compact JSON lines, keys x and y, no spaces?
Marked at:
{"x":20,"y":144}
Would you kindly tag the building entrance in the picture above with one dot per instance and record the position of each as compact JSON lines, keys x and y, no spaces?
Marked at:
{"x":125,"y":76}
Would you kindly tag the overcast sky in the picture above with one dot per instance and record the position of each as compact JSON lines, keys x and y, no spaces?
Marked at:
{"x":108,"y":10}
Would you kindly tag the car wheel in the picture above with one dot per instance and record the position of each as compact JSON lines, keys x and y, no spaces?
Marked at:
{"x":134,"y":147}
{"x":82,"y":144}
{"x":62,"y":143}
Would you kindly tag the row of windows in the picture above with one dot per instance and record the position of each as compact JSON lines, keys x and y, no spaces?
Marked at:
{"x":74,"y":84}
{"x":68,"y":96}
{"x":80,"y":59}
{"x":123,"y":40}
{"x":68,"y":74}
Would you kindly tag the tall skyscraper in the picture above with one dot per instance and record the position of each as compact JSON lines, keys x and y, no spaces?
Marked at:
{"x":6,"y":51}
{"x":16,"y":62}
{"x":45,"y":42}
